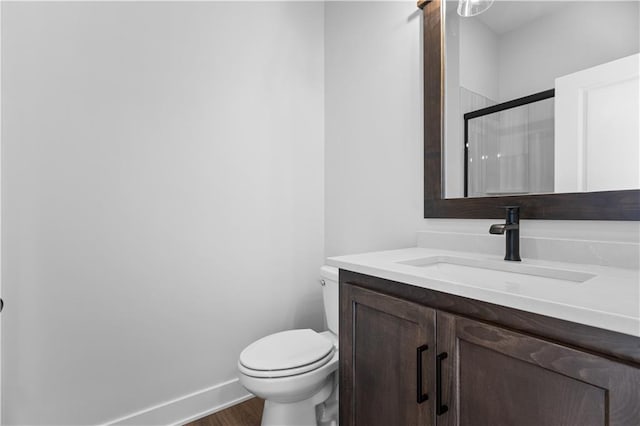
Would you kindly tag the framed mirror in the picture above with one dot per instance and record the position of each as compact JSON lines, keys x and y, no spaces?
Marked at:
{"x":532,"y":103}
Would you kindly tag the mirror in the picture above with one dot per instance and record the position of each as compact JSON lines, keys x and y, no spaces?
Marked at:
{"x":541,"y":97}
{"x":513,"y":114}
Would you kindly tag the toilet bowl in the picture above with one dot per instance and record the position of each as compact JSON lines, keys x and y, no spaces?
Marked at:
{"x":295,"y":371}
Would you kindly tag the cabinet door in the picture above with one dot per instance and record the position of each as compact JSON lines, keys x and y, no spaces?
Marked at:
{"x":387,"y":352}
{"x":499,"y":377}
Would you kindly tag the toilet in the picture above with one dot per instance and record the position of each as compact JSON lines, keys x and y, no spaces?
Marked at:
{"x":295,"y":371}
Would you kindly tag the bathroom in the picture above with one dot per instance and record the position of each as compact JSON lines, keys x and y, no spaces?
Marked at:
{"x":175,"y":174}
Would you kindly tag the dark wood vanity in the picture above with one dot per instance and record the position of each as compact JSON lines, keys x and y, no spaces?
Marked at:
{"x":414,"y":356}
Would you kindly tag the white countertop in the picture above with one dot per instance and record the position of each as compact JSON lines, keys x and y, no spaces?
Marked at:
{"x":610,"y":300}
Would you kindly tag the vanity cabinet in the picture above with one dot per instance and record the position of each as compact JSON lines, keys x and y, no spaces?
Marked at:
{"x":501,"y":377}
{"x":391,"y":349}
{"x":425,"y":362}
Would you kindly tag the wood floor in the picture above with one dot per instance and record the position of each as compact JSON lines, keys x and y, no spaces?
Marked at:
{"x":248,"y":413}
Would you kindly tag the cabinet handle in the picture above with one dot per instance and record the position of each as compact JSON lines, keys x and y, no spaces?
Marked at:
{"x":421,"y":397}
{"x":440,"y":407}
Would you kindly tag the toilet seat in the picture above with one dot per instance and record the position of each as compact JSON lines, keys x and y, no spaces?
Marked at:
{"x":285,"y":354}
{"x":274,"y":374}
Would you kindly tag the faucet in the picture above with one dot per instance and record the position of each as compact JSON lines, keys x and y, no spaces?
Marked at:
{"x":512,"y":229}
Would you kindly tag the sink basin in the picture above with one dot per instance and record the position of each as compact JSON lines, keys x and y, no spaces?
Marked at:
{"x":490,"y":273}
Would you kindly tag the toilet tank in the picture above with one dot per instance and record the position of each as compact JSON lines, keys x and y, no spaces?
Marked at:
{"x":329,"y":280}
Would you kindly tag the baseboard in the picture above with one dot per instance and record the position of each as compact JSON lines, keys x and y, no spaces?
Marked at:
{"x":189,"y":407}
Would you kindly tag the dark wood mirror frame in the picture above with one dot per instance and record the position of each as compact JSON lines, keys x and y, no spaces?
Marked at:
{"x":603,"y":205}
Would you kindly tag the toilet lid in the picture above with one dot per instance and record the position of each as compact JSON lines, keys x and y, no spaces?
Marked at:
{"x":286,"y":350}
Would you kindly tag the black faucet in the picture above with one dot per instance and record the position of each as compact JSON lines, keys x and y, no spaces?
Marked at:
{"x":512,"y":229}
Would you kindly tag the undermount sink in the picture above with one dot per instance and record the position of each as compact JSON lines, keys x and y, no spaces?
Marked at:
{"x":491,"y":273}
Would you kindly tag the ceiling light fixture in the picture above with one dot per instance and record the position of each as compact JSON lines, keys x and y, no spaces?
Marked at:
{"x":467,"y":8}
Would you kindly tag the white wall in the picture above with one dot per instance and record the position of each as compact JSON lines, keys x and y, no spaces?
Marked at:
{"x":373,"y":125}
{"x":577,"y":36}
{"x":479,"y":57}
{"x":377,"y":210}
{"x":162,"y":197}
{"x":453,"y":121}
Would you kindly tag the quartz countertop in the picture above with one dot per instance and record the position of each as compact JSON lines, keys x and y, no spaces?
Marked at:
{"x":609,"y":300}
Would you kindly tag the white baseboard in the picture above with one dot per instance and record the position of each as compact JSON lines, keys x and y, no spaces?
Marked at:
{"x":189,"y":407}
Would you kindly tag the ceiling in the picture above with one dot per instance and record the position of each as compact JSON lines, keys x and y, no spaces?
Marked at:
{"x":505,"y":16}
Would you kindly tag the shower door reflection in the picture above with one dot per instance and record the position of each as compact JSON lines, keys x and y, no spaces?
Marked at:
{"x":509,"y":147}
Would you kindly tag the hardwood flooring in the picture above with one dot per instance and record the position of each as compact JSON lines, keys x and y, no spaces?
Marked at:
{"x":248,"y":413}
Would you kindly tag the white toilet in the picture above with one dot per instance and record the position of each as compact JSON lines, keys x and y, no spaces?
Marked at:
{"x":295,"y":371}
